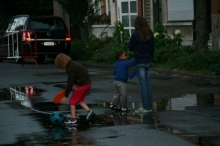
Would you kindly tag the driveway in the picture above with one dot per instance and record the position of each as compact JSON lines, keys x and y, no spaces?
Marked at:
{"x":186,"y":109}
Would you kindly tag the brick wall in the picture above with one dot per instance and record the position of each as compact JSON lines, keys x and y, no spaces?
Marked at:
{"x":140,"y":7}
{"x":215,"y":6}
{"x":215,"y":22}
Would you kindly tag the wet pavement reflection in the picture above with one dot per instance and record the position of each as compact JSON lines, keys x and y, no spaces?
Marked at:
{"x":188,"y":100}
{"x":28,"y":97}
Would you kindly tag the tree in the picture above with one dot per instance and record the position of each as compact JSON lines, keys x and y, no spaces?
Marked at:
{"x":9,"y":8}
{"x":82,"y":12}
{"x":202,"y":20}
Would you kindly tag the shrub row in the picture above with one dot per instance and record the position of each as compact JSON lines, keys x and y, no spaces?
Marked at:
{"x":168,"y":50}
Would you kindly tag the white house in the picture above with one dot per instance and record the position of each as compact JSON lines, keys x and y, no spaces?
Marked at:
{"x":173,"y":14}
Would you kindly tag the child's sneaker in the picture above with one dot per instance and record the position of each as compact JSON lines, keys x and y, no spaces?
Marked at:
{"x":71,"y":129}
{"x":70,"y":121}
{"x":113,"y":107}
{"x":90,"y":116}
{"x":142,"y":110}
{"x":123,"y":113}
{"x":69,"y":116}
{"x":123,"y":109}
{"x":113,"y":114}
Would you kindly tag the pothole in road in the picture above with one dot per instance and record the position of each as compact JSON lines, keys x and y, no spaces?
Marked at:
{"x":105,"y":118}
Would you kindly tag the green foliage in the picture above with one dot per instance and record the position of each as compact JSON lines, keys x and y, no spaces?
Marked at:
{"x":78,"y":50}
{"x":102,"y":48}
{"x":104,"y":18}
{"x":168,"y":48}
{"x":169,"y":51}
{"x":162,"y":104}
{"x":105,"y":54}
{"x":205,"y":99}
{"x":119,"y":41}
{"x":121,"y":37}
{"x":76,"y":9}
{"x":119,"y":34}
{"x":97,"y":17}
{"x":208,"y":61}
{"x":162,"y":40}
{"x":9,"y":8}
{"x":94,"y":46}
{"x":83,"y":13}
{"x":97,"y":44}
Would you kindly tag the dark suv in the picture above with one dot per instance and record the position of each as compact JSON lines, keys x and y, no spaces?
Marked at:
{"x":38,"y":36}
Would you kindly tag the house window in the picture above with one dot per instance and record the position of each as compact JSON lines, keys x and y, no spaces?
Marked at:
{"x":103,"y":7}
{"x":180,"y":10}
{"x":102,"y":11}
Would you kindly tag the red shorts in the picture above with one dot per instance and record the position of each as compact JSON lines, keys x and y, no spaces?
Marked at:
{"x":79,"y":94}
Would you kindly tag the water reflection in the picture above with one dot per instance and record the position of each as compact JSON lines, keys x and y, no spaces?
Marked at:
{"x":57,"y":132}
{"x":187,"y":100}
{"x":71,"y":136}
{"x":148,"y":119}
{"x":119,"y":118}
{"x":24,"y":94}
{"x":19,"y":93}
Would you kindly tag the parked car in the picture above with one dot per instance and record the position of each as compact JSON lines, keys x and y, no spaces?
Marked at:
{"x":46,"y":34}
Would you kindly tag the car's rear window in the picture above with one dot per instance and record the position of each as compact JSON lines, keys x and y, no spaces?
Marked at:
{"x":45,"y":24}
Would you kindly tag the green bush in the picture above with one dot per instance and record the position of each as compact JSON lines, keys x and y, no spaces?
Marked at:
{"x":207,"y":62}
{"x":102,"y":48}
{"x":118,"y":41}
{"x":78,"y":50}
{"x":169,"y":51}
{"x":105,"y":54}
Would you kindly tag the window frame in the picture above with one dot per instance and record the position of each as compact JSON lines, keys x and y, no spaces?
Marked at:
{"x":180,"y":10}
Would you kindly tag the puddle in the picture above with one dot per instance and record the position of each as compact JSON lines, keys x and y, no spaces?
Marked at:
{"x":61,"y":85}
{"x":41,"y":111}
{"x":187,"y":100}
{"x":20,"y":93}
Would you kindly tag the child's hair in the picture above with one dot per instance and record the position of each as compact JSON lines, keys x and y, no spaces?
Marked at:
{"x":118,"y":54}
{"x":62,"y":61}
{"x":141,"y":25}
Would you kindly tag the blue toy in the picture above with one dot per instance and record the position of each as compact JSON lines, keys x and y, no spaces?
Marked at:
{"x":57,"y":132}
{"x":133,"y":74}
{"x":56,"y":118}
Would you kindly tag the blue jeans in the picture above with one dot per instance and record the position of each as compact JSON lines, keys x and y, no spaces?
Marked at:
{"x":144,"y":77}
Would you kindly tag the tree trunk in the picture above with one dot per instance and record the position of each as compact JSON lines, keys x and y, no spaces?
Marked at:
{"x":201,"y":18}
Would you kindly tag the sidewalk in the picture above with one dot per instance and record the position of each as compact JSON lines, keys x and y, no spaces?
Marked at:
{"x":185,"y":74}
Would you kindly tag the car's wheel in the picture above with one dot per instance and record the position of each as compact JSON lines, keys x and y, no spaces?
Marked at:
{"x":40,"y":59}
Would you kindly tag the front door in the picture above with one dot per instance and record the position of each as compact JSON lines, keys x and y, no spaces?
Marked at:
{"x":127,"y":12}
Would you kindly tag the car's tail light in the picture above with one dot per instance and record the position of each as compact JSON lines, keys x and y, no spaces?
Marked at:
{"x":68,"y":38}
{"x":26,"y":36}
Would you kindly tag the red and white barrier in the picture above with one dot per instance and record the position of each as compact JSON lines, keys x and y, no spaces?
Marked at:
{"x":18,"y":45}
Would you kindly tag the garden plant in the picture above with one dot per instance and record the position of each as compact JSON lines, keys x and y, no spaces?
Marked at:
{"x":169,"y":51}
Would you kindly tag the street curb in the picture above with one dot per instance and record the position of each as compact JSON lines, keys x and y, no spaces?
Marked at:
{"x":185,"y":74}
{"x":104,"y":66}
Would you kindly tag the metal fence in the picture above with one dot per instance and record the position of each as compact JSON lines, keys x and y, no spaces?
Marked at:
{"x":18,"y":45}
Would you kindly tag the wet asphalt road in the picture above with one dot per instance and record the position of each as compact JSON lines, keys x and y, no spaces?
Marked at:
{"x":186,"y":111}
